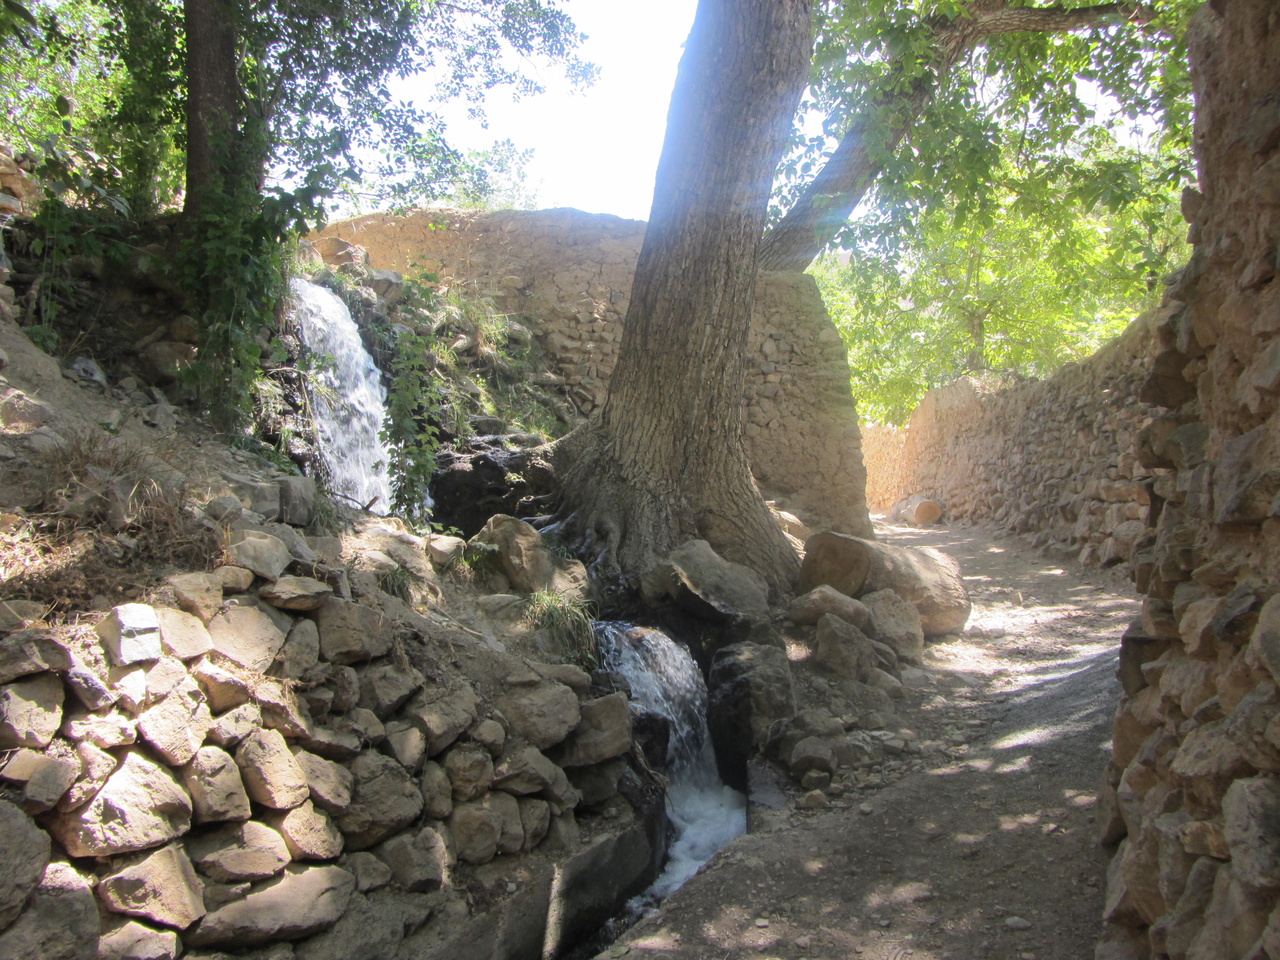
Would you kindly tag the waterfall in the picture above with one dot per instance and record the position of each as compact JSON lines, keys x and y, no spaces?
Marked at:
{"x":350,"y":401}
{"x":705,"y":814}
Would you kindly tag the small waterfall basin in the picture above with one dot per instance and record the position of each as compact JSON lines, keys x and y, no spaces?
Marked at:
{"x":705,"y":814}
{"x":348,"y":399}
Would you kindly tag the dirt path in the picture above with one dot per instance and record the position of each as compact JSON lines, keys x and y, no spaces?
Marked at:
{"x":985,"y":847}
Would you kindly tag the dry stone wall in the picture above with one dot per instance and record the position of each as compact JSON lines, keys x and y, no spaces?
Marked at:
{"x":278,"y":753}
{"x":567,"y":275}
{"x":1050,"y":459}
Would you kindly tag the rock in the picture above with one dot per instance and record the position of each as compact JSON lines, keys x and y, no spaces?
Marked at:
{"x":270,"y":773}
{"x":445,"y":550}
{"x":182,"y":635}
{"x":707,"y":586}
{"x":843,"y":649}
{"x":160,"y":886}
{"x":246,"y":636}
{"x":384,"y":801}
{"x":234,"y":579}
{"x":141,"y":805}
{"x":1251,"y":811}
{"x":330,"y":784}
{"x":297,"y":500}
{"x":895,"y":622}
{"x":824,"y":599}
{"x":163,"y":677}
{"x":308,"y":832}
{"x":239,"y":851}
{"x":603,"y":732}
{"x":418,"y":861}
{"x":177,"y":725}
{"x":527,"y":563}
{"x":444,"y":713}
{"x":490,"y":735}
{"x":23,"y":857}
{"x":385,"y":687}
{"x":106,"y":731}
{"x":811,"y":753}
{"x":282,"y":710}
{"x":749,"y":688}
{"x":506,"y":810}
{"x":130,"y":633}
{"x":89,"y":688}
{"x":132,"y":940}
{"x":303,"y":902}
{"x":836,"y":560}
{"x":437,"y":791}
{"x":301,"y":650}
{"x":597,"y":783}
{"x":265,"y":555}
{"x":371,"y":928}
{"x":217,"y":792}
{"x":1206,"y":764}
{"x":25,"y":652}
{"x":60,"y":921}
{"x":535,"y":820}
{"x":475,"y":828}
{"x":234,"y":725}
{"x":199,"y":594}
{"x":296,"y":593}
{"x":351,"y":632}
{"x":45,"y":779}
{"x":370,"y":872}
{"x":543,"y":713}
{"x":224,"y":689}
{"x":470,"y":771}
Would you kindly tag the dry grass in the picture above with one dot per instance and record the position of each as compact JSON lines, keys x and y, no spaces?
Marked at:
{"x":105,"y":528}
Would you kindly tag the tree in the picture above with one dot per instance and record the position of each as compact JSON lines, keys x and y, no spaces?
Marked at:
{"x":1013,"y":293}
{"x":665,"y":460}
{"x":885,"y":75}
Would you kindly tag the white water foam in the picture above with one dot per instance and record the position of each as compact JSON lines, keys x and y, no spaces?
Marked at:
{"x":705,"y":814}
{"x":350,"y":406}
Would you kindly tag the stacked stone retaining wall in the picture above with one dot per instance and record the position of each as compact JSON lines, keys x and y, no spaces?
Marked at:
{"x":567,"y":275}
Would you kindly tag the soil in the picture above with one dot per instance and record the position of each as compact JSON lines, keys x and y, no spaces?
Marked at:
{"x":981,"y":843}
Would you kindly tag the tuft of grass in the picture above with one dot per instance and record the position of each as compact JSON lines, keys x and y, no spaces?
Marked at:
{"x":398,"y":583}
{"x":567,"y":621}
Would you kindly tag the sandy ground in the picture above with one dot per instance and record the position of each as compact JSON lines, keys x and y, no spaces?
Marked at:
{"x":984,"y":849}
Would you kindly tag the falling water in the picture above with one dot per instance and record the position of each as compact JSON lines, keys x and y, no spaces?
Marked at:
{"x":705,"y":814}
{"x":351,"y":401}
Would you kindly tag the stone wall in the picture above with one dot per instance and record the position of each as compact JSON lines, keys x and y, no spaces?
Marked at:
{"x":567,"y":275}
{"x":1194,"y":783}
{"x":1050,"y":459}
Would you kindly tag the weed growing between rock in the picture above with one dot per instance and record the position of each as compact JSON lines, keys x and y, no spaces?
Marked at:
{"x":567,"y":622}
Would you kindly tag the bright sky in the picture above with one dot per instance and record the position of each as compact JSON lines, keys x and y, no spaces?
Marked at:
{"x":594,"y":149}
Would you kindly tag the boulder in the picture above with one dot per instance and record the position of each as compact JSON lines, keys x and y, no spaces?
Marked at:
{"x":161,"y":887}
{"x":301,"y":650}
{"x":23,"y":857}
{"x":141,"y":805}
{"x":60,"y":921}
{"x":384,"y":800}
{"x":217,"y":792}
{"x":297,"y":500}
{"x":302,"y":902}
{"x":837,"y":560}
{"x":437,"y":791}
{"x":527,"y":563}
{"x":707,"y":586}
{"x":535,"y":820}
{"x":808,"y":609}
{"x":896,"y":623}
{"x":239,"y":851}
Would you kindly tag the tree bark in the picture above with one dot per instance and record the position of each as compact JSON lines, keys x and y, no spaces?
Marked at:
{"x":212,"y":95}
{"x":830,"y":199}
{"x":665,"y":461}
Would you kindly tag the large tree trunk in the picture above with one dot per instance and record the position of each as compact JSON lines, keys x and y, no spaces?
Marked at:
{"x":830,"y":199}
{"x":665,"y":461}
{"x":212,"y":95}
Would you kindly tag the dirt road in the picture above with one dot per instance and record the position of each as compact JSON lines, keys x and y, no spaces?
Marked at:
{"x":985,"y":847}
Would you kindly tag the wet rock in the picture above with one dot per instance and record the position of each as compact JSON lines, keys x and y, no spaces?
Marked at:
{"x":141,"y":805}
{"x":161,"y":887}
{"x":749,"y":688}
{"x":303,"y":902}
